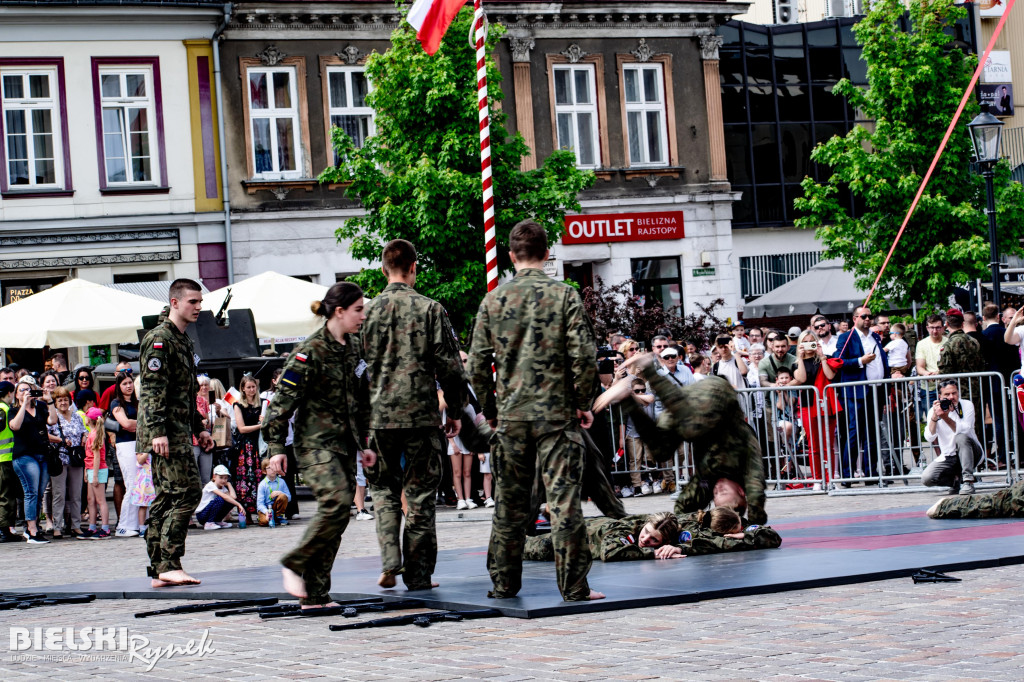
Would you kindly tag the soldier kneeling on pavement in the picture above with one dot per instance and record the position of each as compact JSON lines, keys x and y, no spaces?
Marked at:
{"x":951,"y":423}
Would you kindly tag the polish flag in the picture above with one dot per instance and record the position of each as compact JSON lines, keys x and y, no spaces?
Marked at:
{"x":232,"y":396}
{"x":431,"y":18}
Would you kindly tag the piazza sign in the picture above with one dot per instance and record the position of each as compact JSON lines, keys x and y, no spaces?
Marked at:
{"x":600,"y":228}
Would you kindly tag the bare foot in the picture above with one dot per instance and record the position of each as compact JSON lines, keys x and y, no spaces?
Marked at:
{"x":387,"y":580}
{"x":293,"y":583}
{"x":934,"y":510}
{"x":170,"y":578}
{"x":617,"y":392}
{"x":595,"y":595}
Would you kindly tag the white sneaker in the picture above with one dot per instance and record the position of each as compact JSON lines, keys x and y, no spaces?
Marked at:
{"x":470,"y":504}
{"x":816,"y":486}
{"x":462,"y":505}
{"x":363,"y":515}
{"x":627,"y":492}
{"x":657,"y":487}
{"x":645,"y":489}
{"x":125,"y":533}
{"x":223,"y":524}
{"x":211,"y":525}
{"x":489,"y":503}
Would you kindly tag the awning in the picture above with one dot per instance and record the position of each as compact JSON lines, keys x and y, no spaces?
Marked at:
{"x":279,"y":304}
{"x":74,"y":313}
{"x":158,"y":291}
{"x":826,"y":288}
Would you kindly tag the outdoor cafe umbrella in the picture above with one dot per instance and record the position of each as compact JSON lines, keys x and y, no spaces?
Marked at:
{"x":279,"y":304}
{"x":74,"y":313}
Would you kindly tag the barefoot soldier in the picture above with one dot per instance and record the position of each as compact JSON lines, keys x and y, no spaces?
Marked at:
{"x":167,"y":421}
{"x":535,"y":332}
{"x":323,"y":385}
{"x":410,"y":349}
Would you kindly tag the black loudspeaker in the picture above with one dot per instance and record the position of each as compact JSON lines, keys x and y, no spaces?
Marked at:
{"x":237,"y":339}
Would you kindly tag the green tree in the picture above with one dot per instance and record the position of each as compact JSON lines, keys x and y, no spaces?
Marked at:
{"x":418,"y":178}
{"x":916,"y":79}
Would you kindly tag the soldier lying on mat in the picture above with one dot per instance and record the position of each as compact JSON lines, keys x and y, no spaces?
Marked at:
{"x":1005,"y":503}
{"x":663,"y":536}
{"x":708,"y":415}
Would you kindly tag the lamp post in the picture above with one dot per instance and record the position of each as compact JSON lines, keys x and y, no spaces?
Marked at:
{"x":986,"y":131}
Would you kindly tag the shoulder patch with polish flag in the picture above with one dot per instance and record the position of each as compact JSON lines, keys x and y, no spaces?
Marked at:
{"x":158,"y":345}
{"x":628,"y":540}
{"x":301,"y":357}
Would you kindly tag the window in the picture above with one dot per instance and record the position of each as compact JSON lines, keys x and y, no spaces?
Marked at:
{"x":127,"y":115}
{"x":347,"y":88}
{"x":657,"y":280}
{"x":646,"y":131}
{"x":129,"y":124}
{"x":31,"y":122}
{"x":274,"y":121}
{"x":576,"y":120}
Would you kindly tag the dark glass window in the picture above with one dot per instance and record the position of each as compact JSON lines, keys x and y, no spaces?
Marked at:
{"x":854,"y":68}
{"x":730,"y":35}
{"x":770,"y":204}
{"x":766,"y":153}
{"x":734,"y":104}
{"x":737,"y":154}
{"x":826,"y":64}
{"x":743,"y":210}
{"x":755,"y":36}
{"x":762,"y":103}
{"x":822,"y":37}
{"x":796,"y":145}
{"x":794,"y":103}
{"x":730,"y":67}
{"x":827,"y":107}
{"x":759,"y":66}
{"x":790,"y":65}
{"x":793,"y":192}
{"x":846,"y":31}
{"x":789,"y":36}
{"x":657,"y":280}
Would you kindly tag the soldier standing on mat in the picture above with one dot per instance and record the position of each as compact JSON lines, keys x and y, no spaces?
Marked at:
{"x":708,"y":414}
{"x":167,"y":421}
{"x":324,"y":386}
{"x":410,"y":349}
{"x":536,"y":334}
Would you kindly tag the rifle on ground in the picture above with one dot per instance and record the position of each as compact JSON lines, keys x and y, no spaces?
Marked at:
{"x":347,"y":611}
{"x":422,"y":620}
{"x":43,"y":600}
{"x":292,"y":606}
{"x":17,"y":596}
{"x":209,"y":606}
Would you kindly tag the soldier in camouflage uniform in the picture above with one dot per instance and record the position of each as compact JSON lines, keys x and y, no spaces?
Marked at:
{"x":410,"y":349}
{"x":1005,"y":503}
{"x":167,"y":421}
{"x":709,"y":416}
{"x":535,"y":332}
{"x":324,"y":385}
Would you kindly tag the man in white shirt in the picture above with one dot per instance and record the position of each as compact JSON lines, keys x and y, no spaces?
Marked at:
{"x":926,"y":357}
{"x":730,"y":367}
{"x":823,"y":330}
{"x":951,"y":423}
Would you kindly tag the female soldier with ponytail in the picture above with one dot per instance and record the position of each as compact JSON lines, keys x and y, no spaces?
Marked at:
{"x":323,"y":384}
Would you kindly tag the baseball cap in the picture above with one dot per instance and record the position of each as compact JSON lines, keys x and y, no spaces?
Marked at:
{"x":793,"y":332}
{"x":94,"y":413}
{"x":670,"y":352}
{"x":27,"y":379}
{"x":6,"y":387}
{"x":221,"y":470}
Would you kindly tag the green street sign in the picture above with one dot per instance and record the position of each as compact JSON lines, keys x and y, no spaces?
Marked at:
{"x":703,"y":272}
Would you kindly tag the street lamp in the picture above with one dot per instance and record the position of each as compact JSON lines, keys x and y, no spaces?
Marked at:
{"x":986,"y":131}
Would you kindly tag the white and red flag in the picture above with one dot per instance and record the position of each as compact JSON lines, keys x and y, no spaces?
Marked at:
{"x":431,"y":18}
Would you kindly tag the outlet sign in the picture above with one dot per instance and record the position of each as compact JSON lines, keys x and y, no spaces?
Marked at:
{"x":600,"y":228}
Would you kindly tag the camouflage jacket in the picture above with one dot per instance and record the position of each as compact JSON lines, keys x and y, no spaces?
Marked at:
{"x":961,"y":354}
{"x":167,"y":388}
{"x":707,"y":541}
{"x":616,"y":539}
{"x":538,"y":337}
{"x":410,"y":347}
{"x":324,"y":385}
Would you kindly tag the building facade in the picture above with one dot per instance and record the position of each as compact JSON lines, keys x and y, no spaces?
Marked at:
{"x":109,"y":164}
{"x":633,"y":88}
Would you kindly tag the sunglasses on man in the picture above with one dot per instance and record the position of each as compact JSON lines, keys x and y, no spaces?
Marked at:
{"x":671,"y":356}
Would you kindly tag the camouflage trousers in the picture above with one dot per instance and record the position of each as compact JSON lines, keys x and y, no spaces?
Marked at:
{"x":539,"y":548}
{"x":178,"y":492}
{"x":1005,"y":503}
{"x":331,"y":476}
{"x":556,"y":447}
{"x":418,"y":478}
{"x":9,"y":486}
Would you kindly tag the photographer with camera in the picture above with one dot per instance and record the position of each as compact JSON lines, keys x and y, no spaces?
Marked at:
{"x":813,"y":368}
{"x":35,"y":411}
{"x":951,"y":422}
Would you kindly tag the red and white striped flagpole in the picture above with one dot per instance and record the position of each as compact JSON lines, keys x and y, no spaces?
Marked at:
{"x":490,"y":234}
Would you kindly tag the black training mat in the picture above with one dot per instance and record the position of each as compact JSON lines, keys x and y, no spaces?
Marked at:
{"x":816,"y":552}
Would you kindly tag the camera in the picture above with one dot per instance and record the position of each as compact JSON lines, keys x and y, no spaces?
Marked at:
{"x":945,"y":404}
{"x":36,"y":392}
{"x":809,"y":345}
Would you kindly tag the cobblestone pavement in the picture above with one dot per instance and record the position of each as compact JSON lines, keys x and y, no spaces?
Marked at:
{"x":891,"y":630}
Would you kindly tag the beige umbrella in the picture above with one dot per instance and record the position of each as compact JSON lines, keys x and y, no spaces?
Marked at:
{"x":74,"y":313}
{"x":279,"y":304}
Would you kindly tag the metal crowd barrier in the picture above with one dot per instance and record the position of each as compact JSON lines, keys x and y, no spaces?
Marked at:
{"x":679,"y":470}
{"x":877,"y":437}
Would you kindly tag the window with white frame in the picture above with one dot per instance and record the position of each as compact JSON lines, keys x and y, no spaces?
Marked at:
{"x":347,"y":90}
{"x":31,"y":127}
{"x":274,"y":117}
{"x":576,"y":119}
{"x":644,"y":93}
{"x":129,"y":122}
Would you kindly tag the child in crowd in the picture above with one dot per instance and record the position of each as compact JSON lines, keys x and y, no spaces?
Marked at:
{"x":143,"y":493}
{"x":96,"y":474}
{"x":272,"y":497}
{"x":218,"y":499}
{"x":485,"y":469}
{"x":897,"y":351}
{"x":784,"y":405}
{"x":634,"y":449}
